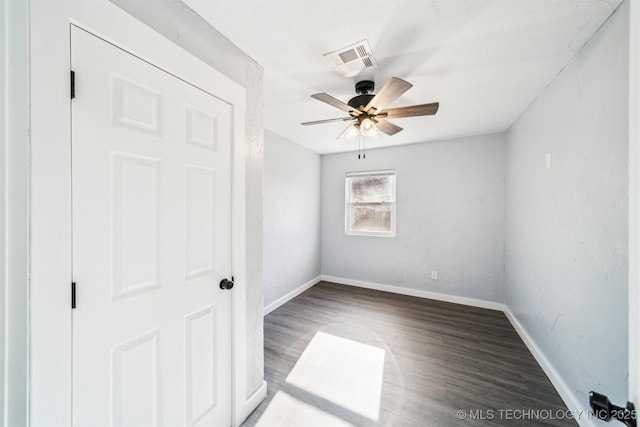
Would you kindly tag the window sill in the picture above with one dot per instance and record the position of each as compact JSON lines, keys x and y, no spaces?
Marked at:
{"x":370,"y":234}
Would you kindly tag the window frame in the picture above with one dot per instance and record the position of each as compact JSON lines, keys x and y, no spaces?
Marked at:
{"x":348,"y":204}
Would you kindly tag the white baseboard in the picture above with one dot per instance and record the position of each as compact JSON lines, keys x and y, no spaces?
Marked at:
{"x":580,"y":411}
{"x":291,"y":295}
{"x":491,"y":305}
{"x":252,"y":403}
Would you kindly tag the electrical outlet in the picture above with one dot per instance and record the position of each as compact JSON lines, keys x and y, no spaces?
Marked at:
{"x":434,"y":275}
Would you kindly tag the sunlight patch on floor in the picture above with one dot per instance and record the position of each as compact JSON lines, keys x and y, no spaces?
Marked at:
{"x":345,"y":372}
{"x":286,"y":410}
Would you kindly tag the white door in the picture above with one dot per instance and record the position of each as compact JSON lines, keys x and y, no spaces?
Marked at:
{"x":151,"y":242}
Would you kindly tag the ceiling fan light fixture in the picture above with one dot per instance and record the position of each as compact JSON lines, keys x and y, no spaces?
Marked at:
{"x":368,"y":127}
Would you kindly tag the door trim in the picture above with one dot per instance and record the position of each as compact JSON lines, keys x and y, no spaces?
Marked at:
{"x":14,"y":212}
{"x":51,"y":261}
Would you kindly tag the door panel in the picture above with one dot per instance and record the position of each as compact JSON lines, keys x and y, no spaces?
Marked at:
{"x":200,"y":236}
{"x":151,"y":241}
{"x":201,"y":362}
{"x":134,"y":213}
{"x":136,"y":382}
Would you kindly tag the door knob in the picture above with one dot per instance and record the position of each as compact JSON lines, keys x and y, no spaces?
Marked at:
{"x":226,"y":283}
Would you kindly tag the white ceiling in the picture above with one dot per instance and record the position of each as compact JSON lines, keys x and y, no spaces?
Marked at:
{"x":485,"y":61}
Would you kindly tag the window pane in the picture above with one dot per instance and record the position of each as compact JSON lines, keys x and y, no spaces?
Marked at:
{"x":372,"y":189}
{"x":371,"y":217}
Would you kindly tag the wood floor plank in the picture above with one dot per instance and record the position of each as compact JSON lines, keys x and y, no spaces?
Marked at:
{"x":439,"y":358}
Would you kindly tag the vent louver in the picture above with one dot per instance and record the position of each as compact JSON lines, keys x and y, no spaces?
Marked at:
{"x":351,"y":60}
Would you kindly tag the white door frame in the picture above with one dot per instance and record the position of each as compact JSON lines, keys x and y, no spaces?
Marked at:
{"x":634,"y":203}
{"x":51,"y":261}
{"x":14,"y":210}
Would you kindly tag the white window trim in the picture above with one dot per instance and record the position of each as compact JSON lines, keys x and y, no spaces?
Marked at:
{"x":347,"y":204}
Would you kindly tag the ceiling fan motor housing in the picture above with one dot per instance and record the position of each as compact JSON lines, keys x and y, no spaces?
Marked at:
{"x":364,"y":88}
{"x":360,"y":101}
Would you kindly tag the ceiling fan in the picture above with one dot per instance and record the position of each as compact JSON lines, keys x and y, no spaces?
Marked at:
{"x":367,"y":112}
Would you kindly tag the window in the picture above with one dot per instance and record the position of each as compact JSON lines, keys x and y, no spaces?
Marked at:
{"x":370,"y":203}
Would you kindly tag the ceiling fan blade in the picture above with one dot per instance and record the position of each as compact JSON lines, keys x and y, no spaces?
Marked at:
{"x":387,"y":127}
{"x":319,"y":122}
{"x":411,"y":111}
{"x":328,"y":99}
{"x":389,"y":93}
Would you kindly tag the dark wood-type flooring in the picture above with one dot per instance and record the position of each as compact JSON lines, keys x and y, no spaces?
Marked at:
{"x":441,"y":358}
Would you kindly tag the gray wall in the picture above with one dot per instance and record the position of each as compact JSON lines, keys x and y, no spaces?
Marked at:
{"x":14,"y":210}
{"x":450,"y":218}
{"x":291,"y":216}
{"x":184,"y":27}
{"x":566,"y":227}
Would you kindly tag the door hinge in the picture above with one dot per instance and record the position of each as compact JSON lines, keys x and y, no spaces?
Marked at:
{"x":73,"y":295}
{"x":73,"y":84}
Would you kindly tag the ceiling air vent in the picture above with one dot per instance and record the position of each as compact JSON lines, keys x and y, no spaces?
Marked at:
{"x":351,"y":60}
